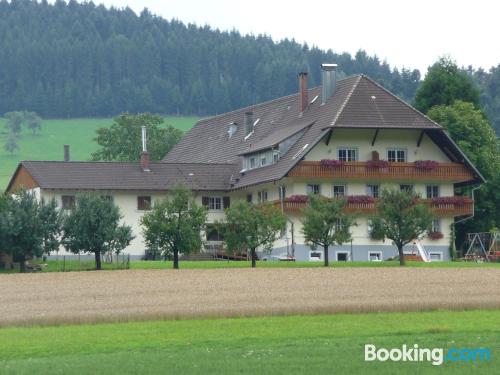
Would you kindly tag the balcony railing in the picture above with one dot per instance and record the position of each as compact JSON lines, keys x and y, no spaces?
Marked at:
{"x":455,"y":206}
{"x":393,"y":171}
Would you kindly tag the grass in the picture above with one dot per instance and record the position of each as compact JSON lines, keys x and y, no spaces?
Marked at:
{"x":321,"y":344}
{"x":48,"y":145}
{"x":87,"y":265}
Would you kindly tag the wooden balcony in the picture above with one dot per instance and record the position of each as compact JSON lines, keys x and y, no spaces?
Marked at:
{"x":359,"y":170}
{"x":440,"y":209}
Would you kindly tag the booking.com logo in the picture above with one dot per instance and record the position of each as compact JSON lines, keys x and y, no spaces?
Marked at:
{"x":436,"y":356}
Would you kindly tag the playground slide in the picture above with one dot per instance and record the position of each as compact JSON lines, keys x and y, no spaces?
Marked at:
{"x":422,"y":252}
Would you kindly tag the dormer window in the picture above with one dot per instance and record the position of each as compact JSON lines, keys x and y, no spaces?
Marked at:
{"x":263,"y":160}
{"x":252,"y":162}
{"x":276,"y":156}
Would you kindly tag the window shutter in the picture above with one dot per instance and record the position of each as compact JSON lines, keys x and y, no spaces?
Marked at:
{"x":226,"y":202}
{"x":204,"y":201}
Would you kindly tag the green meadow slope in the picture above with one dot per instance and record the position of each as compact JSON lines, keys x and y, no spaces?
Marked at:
{"x":318,"y":344}
{"x":48,"y":144}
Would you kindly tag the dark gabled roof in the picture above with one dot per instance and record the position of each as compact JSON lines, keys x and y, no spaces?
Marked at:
{"x":126,"y":176}
{"x":372,"y":106}
{"x":275,"y":138}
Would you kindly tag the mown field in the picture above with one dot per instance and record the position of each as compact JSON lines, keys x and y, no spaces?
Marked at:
{"x":318,"y":344}
{"x":122,"y":295}
{"x":48,"y":144}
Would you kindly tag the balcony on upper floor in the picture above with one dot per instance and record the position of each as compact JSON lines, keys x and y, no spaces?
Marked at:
{"x":383,"y":170}
{"x":441,"y":206}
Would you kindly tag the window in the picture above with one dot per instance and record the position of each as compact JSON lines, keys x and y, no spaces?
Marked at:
{"x":144,"y":203}
{"x":396,"y":155}
{"x":432,"y":191}
{"x":369,"y":226}
{"x":375,"y":256}
{"x":313,"y":189}
{"x":68,"y":202}
{"x":338,"y":190}
{"x":342,"y":256}
{"x":435,"y":257}
{"x":282,"y":192}
{"x":347,"y":154}
{"x":263,"y":160}
{"x":276,"y":156}
{"x":252,"y":163}
{"x":405,"y":187}
{"x":436,"y":225}
{"x":213,"y":233}
{"x":315,"y":255}
{"x":249,"y":198}
{"x":372,"y":190}
{"x":215,"y":203}
{"x":262,"y":196}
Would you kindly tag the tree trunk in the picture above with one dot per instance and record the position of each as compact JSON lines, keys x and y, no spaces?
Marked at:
{"x":401,"y":256}
{"x":97,"y":255}
{"x":22,"y":264}
{"x":176,"y":259}
{"x":325,"y":250}
{"x":254,"y":256}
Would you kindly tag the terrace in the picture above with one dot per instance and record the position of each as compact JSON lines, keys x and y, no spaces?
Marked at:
{"x":442,"y":206}
{"x":383,"y":170}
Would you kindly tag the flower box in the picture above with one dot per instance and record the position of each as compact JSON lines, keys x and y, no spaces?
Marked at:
{"x":297,"y":199}
{"x":455,"y":200}
{"x":331,"y":163}
{"x":360,"y":199}
{"x":426,"y":165}
{"x":435,"y":235}
{"x":377,"y":163}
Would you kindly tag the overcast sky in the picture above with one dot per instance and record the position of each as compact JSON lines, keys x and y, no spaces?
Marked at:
{"x":405,"y":33}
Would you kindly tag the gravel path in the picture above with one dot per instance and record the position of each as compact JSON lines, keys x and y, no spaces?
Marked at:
{"x":78,"y":297}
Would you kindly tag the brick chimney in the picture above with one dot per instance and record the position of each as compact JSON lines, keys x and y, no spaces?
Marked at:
{"x":304,"y":93}
{"x":145,"y":153}
{"x":66,"y":153}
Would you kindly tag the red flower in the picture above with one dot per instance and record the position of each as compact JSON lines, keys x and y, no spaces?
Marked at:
{"x":426,"y":165}
{"x":436,"y":235}
{"x":297,"y":198}
{"x":330,"y":163}
{"x":360,"y":199}
{"x":377,"y":163}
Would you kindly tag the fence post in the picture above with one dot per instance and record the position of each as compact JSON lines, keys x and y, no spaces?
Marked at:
{"x":64,"y":263}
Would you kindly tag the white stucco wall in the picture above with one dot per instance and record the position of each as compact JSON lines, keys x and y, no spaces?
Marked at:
{"x":386,"y":138}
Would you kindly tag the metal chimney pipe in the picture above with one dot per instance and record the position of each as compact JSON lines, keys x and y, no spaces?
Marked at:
{"x":248,"y":122}
{"x":66,"y":153}
{"x":304,"y":93}
{"x":144,"y":143}
{"x":329,"y":81}
{"x":145,"y":153}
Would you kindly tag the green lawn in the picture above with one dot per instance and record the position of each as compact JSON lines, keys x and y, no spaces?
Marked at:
{"x":48,"y":145}
{"x":321,"y":344}
{"x":85,"y":265}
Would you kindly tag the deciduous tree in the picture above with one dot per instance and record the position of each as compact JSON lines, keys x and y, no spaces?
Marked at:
{"x":122,"y":141}
{"x":93,"y":226}
{"x":174,"y":224}
{"x":28,"y":227}
{"x":401,"y":218}
{"x":443,"y":84}
{"x":325,"y":223}
{"x":248,"y":227}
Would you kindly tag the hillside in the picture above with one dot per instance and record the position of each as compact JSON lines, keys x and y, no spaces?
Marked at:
{"x":74,"y":60}
{"x":48,"y":145}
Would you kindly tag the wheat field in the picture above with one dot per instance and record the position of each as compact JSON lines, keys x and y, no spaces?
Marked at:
{"x":113,"y":296}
